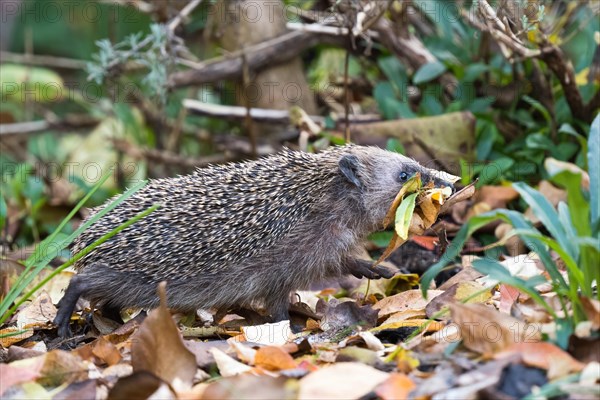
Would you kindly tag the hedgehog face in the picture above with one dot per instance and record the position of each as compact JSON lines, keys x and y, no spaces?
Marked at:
{"x":379,"y":175}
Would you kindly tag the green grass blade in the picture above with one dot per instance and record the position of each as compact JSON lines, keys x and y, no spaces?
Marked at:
{"x":44,"y":259}
{"x":594,"y":170}
{"x":545,"y":212}
{"x":79,"y":255}
{"x":37,"y":257}
{"x":498,"y":272}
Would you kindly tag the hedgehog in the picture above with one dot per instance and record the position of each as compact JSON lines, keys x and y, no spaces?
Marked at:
{"x":242,"y":234}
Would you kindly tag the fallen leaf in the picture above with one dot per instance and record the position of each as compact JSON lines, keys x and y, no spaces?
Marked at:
{"x":247,"y":387}
{"x":274,"y":358}
{"x":158,"y":348}
{"x":20,"y":371}
{"x":274,"y":334}
{"x":141,"y":385}
{"x":38,"y":313}
{"x":13,"y":334}
{"x":245,"y":353}
{"x":468,"y":273}
{"x":409,"y":300}
{"x":348,"y":380}
{"x":591,"y":307}
{"x":496,"y":196}
{"x":227,"y":365}
{"x":397,"y":386}
{"x":485,"y":330}
{"x":458,"y":292}
{"x":546,"y":356}
{"x":508,"y":296}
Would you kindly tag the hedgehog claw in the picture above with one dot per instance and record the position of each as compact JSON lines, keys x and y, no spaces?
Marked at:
{"x":363,"y":269}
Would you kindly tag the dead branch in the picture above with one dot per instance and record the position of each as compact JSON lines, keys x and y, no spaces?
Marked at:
{"x":33,"y":127}
{"x":40,"y":60}
{"x":262,"y":55}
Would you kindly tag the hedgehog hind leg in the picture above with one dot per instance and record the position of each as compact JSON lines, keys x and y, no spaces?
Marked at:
{"x":77,"y":287}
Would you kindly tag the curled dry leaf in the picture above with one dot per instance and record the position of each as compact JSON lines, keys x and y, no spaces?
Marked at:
{"x":159,"y":349}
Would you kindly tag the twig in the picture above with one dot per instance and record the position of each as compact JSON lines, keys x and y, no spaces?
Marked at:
{"x":317,"y":28}
{"x":185,"y":11}
{"x":236,"y":112}
{"x":41,"y":60}
{"x":32,"y":127}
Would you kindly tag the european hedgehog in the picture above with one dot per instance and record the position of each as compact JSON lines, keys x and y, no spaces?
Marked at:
{"x":242,"y":234}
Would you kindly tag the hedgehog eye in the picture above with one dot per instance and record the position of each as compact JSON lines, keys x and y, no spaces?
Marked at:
{"x":403,"y":176}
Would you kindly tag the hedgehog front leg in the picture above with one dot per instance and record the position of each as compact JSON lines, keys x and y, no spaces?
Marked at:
{"x":364,"y":269}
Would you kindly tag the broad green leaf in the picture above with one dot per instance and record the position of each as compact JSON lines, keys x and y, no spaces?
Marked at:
{"x":594,"y":170}
{"x":21,"y":83}
{"x":564,"y":216}
{"x":404,"y":214}
{"x":429,"y":72}
{"x":579,"y":206}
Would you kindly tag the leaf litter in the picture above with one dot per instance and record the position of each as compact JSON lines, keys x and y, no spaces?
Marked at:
{"x":471,"y":337}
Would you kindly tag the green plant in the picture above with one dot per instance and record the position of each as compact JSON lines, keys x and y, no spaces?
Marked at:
{"x":572,"y":233}
{"x":58,"y":241}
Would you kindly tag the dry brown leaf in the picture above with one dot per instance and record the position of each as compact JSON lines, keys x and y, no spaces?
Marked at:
{"x":347,"y":380}
{"x":404,"y":315}
{"x":141,"y":385}
{"x":508,"y":296}
{"x":158,"y":348}
{"x":274,"y":358}
{"x":591,"y":307}
{"x":485,"y":330}
{"x":409,"y":300}
{"x":16,"y":335}
{"x":457,"y":293}
{"x":546,"y":356}
{"x":468,"y":273}
{"x":432,"y":326}
{"x":496,"y":196}
{"x":106,"y":351}
{"x":397,"y":386}
{"x":38,"y":313}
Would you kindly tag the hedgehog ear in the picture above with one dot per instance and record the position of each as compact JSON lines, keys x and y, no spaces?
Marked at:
{"x":349,"y":166}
